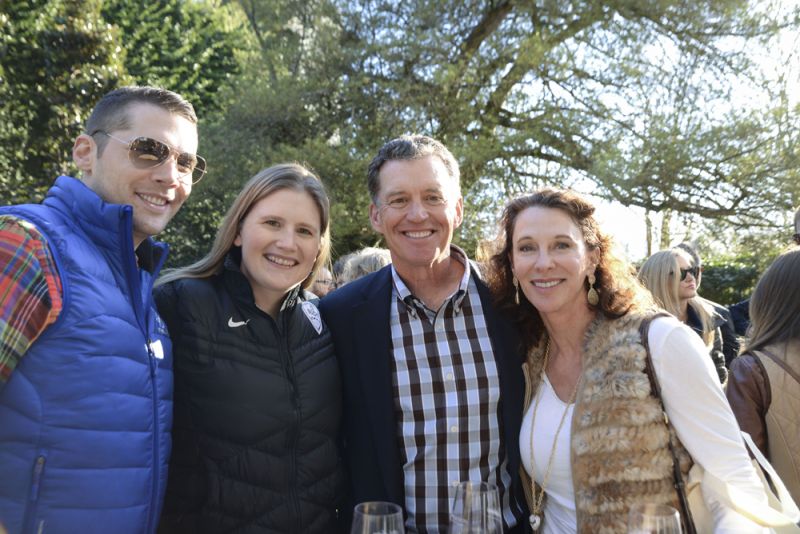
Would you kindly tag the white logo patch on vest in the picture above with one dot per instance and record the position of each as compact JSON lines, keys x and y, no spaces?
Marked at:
{"x":156,"y":349}
{"x":312,"y":313}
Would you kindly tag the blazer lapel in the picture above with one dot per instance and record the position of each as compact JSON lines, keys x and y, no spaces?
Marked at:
{"x":373,"y":350}
{"x":508,"y":358}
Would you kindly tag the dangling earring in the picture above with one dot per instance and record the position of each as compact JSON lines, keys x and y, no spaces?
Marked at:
{"x":516,"y":291}
{"x":592,"y":297}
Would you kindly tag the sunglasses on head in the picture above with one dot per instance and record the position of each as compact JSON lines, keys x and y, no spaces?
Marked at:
{"x":147,"y":153}
{"x":694,"y":271}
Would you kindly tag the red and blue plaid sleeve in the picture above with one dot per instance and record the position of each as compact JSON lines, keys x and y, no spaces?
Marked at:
{"x":30,"y":290}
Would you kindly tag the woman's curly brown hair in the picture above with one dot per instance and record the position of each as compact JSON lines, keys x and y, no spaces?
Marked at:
{"x":617,"y":286}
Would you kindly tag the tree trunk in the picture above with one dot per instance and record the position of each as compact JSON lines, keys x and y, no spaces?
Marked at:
{"x":666,"y":219}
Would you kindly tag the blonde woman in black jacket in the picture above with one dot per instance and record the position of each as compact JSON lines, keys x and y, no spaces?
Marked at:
{"x":257,"y":388}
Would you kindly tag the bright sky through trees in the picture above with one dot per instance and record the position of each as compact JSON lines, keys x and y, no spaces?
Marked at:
{"x":627,"y":224}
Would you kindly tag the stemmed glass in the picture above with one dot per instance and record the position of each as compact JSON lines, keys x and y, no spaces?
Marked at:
{"x":653,"y":519}
{"x":377,"y":517}
{"x":476,"y":509}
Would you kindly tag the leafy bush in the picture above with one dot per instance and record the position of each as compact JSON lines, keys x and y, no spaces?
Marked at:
{"x":729,"y":282}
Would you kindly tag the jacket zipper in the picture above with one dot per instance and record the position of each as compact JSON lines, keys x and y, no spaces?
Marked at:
{"x":141,"y":307}
{"x":33,"y":498}
{"x":295,"y":430}
{"x":151,"y":361}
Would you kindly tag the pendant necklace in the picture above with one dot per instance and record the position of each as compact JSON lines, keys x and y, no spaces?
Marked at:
{"x":537,"y":512}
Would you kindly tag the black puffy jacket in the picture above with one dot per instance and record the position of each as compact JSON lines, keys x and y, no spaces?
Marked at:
{"x":716,"y":351}
{"x":257,"y":412}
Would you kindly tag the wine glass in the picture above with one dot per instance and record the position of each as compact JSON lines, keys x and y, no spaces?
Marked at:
{"x":377,"y":517}
{"x":476,"y":509}
{"x":646,"y":518}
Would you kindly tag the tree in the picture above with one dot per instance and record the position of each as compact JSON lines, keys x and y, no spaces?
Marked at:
{"x":57,"y":58}
{"x":285,"y":106}
{"x":628,"y":95}
{"x":631,"y":97}
{"x":188,"y":47}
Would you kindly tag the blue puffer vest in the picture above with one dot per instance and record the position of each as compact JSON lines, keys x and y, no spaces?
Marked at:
{"x":85,"y":418}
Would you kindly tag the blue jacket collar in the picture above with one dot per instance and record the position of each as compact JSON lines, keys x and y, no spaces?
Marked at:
{"x":108,"y":225}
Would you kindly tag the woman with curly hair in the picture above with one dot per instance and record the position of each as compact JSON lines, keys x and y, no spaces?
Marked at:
{"x":593,"y":440}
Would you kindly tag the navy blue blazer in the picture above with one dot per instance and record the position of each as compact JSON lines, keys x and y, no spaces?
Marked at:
{"x":358,"y":317}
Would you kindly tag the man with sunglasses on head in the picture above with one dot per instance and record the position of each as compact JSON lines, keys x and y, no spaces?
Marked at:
{"x":85,"y":361}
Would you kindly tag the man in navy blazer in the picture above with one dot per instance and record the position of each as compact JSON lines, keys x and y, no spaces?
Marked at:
{"x":433,"y":389}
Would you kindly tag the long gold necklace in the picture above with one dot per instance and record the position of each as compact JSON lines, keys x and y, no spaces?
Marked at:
{"x":537,"y":513}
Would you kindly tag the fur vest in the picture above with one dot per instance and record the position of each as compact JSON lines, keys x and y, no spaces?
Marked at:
{"x":619,"y":442}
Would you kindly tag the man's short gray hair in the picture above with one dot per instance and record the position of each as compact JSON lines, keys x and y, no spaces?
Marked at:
{"x":410,"y":147}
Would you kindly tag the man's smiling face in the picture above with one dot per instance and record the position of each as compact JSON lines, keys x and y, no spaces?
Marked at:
{"x":157,"y":193}
{"x":418,"y":209}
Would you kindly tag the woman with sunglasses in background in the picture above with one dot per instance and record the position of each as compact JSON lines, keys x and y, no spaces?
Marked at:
{"x":257,"y":387}
{"x":671,"y":277}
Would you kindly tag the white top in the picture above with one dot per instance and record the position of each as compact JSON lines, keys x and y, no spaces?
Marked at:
{"x":697,"y":408}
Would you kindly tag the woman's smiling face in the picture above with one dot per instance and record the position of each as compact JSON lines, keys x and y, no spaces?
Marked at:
{"x":280,"y":239}
{"x":551,"y":260}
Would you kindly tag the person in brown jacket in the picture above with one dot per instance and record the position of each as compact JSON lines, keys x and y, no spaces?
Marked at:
{"x":764,"y":381}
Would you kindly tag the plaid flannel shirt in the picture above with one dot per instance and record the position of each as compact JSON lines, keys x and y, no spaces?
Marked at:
{"x":30,"y":290}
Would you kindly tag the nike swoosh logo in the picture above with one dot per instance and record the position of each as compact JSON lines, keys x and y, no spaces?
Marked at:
{"x":237,"y":324}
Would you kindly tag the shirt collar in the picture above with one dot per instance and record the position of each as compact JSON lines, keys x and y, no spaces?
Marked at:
{"x":413,"y":303}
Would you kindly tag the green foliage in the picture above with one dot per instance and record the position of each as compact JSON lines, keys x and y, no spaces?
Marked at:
{"x":632,"y":96}
{"x":620,"y":93}
{"x":730,"y":273}
{"x":182,"y":45}
{"x":730,"y":282}
{"x":285,"y":106}
{"x":57,"y":58}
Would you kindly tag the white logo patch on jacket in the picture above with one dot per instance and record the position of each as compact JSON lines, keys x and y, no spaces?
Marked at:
{"x":312,"y":313}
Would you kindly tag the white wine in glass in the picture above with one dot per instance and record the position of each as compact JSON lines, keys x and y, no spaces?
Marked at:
{"x":648,"y":518}
{"x":476,"y":509}
{"x":377,"y":517}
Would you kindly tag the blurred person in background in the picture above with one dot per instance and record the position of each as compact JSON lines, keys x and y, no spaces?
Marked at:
{"x":764,"y":383}
{"x":324,"y":283}
{"x":671,"y":278}
{"x":722,"y":317}
{"x":363,"y":262}
{"x":740,"y":312}
{"x":338,"y":267}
